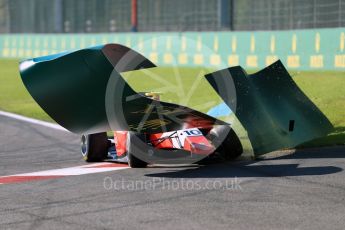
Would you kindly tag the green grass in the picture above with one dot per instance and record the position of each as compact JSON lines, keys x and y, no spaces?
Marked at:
{"x":325,"y":89}
{"x":13,"y":95}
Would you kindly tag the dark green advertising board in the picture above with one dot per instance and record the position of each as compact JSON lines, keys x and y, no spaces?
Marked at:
{"x":321,"y":49}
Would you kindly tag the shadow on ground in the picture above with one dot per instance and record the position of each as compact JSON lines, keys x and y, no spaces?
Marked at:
{"x":314,"y":153}
{"x":264,"y":167}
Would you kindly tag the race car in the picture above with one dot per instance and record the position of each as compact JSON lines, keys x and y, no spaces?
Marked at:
{"x":196,"y":143}
{"x":98,"y":147}
{"x":85,"y":92}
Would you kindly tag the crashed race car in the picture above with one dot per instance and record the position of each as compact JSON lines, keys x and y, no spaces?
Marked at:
{"x":192,"y":142}
{"x":199,"y":142}
{"x":99,"y":147}
{"x":85,"y":92}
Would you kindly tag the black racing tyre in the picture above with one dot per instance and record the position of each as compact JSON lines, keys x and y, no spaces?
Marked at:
{"x":230,"y":147}
{"x":94,"y":147}
{"x":133,"y":139}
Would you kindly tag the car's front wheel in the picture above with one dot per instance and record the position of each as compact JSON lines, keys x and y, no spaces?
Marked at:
{"x":94,"y":147}
{"x":135,"y":142}
{"x":226,"y":141}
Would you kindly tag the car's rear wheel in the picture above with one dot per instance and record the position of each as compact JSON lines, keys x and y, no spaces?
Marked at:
{"x":94,"y":147}
{"x":135,"y":142}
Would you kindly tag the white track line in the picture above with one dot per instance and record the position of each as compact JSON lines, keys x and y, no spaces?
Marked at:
{"x":33,"y":121}
{"x":63,"y":172}
{"x":77,"y":170}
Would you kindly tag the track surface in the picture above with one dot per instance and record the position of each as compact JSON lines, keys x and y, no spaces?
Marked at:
{"x":304,"y":190}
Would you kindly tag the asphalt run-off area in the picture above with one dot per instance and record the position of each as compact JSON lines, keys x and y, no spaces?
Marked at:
{"x":45,"y":184}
